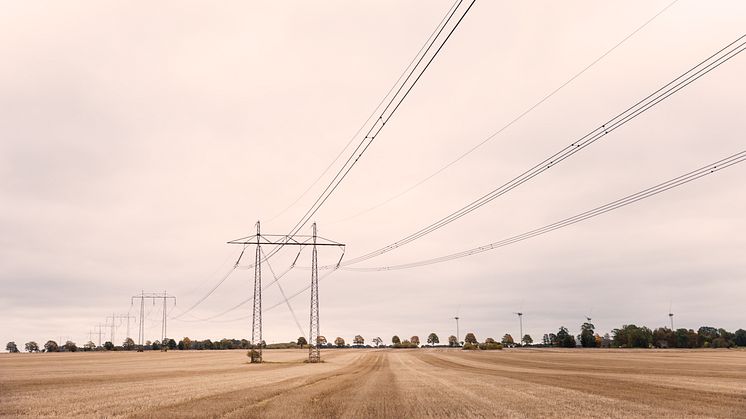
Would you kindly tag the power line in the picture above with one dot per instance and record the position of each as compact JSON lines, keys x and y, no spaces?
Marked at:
{"x":619,"y":203}
{"x":442,"y":23}
{"x":295,"y":294}
{"x":266,"y":286}
{"x":513,"y":121}
{"x":688,"y":77}
{"x":377,"y":126}
{"x":374,"y":130}
{"x":282,"y":291}
{"x":647,"y":193}
{"x":213,"y":289}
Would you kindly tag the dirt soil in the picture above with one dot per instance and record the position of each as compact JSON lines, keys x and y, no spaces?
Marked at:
{"x":378,"y":383}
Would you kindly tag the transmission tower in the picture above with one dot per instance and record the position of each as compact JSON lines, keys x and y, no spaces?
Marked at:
{"x":100,"y":331}
{"x":256,"y":325}
{"x":113,"y":318}
{"x":285,"y":240}
{"x":314,"y":352}
{"x":153,"y":296}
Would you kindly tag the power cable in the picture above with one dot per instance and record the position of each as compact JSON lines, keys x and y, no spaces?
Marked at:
{"x":290,"y":307}
{"x":371,"y":135}
{"x":442,"y":23}
{"x":629,"y":114}
{"x":342,"y":173}
{"x":619,"y":203}
{"x":250,"y":299}
{"x":511,"y":122}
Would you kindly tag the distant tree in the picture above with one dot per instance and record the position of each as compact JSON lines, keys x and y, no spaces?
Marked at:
{"x":406,"y":343}
{"x":490,"y":344}
{"x":180,"y":345}
{"x":470,"y":338}
{"x":433,"y":339}
{"x":263,"y":344}
{"x":32,"y":347}
{"x":108,"y":346}
{"x":358,"y":340}
{"x":599,"y":340}
{"x":187,"y":343}
{"x":156,"y":345}
{"x":302,"y":341}
{"x":171,"y":344}
{"x":245,"y":344}
{"x":706,"y":335}
{"x":527,"y":340}
{"x":606,"y":341}
{"x":631,"y":336}
{"x":128,"y":344}
{"x":507,"y":340}
{"x":452,"y":341}
{"x":549,"y":339}
{"x":89,"y":346}
{"x":70,"y":346}
{"x":415,"y":340}
{"x":51,"y":346}
{"x":224,"y":343}
{"x":395,"y":340}
{"x":664,"y":337}
{"x":377,"y":341}
{"x":565,"y":339}
{"x":553,"y":340}
{"x":681,"y":338}
{"x":320,"y":340}
{"x":339,"y":342}
{"x":740,"y":337}
{"x":587,"y":338}
{"x":12,"y":347}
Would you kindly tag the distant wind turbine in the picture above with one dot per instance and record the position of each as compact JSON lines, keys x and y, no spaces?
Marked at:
{"x":520,"y":321}
{"x":670,"y":313}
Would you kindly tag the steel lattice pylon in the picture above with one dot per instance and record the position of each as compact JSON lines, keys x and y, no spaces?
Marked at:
{"x":314,"y":352}
{"x":258,"y":240}
{"x":256,"y":327}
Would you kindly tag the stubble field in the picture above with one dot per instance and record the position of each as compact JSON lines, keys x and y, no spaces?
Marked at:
{"x":377,"y":383}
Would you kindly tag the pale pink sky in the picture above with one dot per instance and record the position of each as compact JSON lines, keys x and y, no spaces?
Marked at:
{"x":137,"y":138}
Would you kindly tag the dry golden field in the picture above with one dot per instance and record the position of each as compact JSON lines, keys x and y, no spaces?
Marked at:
{"x":378,"y":383}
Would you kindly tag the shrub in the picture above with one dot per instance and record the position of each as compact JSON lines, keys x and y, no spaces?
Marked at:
{"x":490,"y":346}
{"x":469,"y":347}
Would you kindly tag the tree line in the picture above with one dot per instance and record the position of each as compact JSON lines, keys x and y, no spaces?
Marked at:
{"x":627,"y":336}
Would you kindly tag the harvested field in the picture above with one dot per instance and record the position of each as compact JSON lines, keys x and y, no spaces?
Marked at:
{"x":378,"y":383}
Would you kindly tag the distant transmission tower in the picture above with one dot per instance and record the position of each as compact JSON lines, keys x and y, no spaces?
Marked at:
{"x":113,"y":318}
{"x":259,"y":240}
{"x":153,"y":296}
{"x":100,"y":332}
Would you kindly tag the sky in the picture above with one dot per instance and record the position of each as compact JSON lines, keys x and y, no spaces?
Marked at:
{"x":137,"y":138}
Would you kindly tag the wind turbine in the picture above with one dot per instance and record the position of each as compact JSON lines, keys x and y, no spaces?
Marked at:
{"x":520,"y":320}
{"x":456,"y":317}
{"x":670,"y":314}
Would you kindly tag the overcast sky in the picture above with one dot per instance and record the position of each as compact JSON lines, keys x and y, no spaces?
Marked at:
{"x":136,"y":138}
